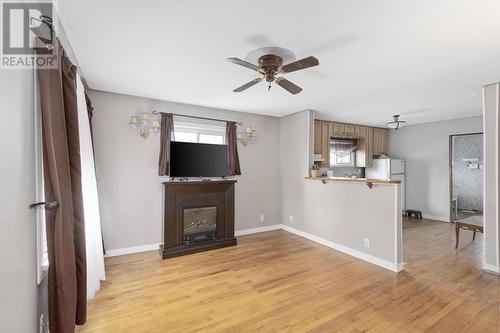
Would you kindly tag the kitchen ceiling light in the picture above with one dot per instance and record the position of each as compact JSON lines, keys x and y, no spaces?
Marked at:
{"x":396,"y":123}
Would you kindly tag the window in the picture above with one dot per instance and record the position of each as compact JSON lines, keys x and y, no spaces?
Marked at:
{"x":342,"y":153}
{"x":199,"y":131}
{"x":185,"y":136}
{"x":347,"y":160}
{"x":211,"y":138}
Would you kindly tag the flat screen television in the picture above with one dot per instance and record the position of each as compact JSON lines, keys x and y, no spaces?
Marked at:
{"x":197,"y":160}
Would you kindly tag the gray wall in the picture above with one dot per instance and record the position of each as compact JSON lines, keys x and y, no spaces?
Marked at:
{"x":18,"y":291}
{"x":130,"y":194}
{"x":342,"y":213}
{"x":468,"y":183}
{"x":426,"y":151}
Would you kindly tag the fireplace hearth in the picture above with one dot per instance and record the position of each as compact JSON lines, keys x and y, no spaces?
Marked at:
{"x":198,"y":216}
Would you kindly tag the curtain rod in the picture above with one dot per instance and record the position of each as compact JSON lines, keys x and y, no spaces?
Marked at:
{"x":215,"y":119}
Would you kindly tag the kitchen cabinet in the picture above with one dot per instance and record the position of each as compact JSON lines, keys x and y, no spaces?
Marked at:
{"x":325,"y":142}
{"x":369,"y":147}
{"x":370,"y":140}
{"x":380,"y":141}
{"x":317,"y":136}
{"x":360,"y":131}
{"x":337,"y":129}
{"x":349,"y":130}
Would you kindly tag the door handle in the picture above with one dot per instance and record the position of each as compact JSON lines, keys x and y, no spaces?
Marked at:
{"x":49,"y":205}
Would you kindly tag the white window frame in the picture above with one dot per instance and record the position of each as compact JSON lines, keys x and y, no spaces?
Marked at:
{"x":199,"y":128}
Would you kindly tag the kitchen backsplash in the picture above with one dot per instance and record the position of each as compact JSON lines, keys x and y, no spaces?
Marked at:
{"x":342,"y":172}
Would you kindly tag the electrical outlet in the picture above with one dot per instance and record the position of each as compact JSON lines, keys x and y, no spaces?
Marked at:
{"x":290,"y":218}
{"x":367,"y":242}
{"x":262,"y":218}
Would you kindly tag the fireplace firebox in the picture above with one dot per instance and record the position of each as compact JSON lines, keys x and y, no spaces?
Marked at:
{"x":200,"y":224}
{"x":198,"y":216}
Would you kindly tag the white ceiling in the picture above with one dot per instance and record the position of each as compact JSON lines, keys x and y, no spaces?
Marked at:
{"x":425,"y":60}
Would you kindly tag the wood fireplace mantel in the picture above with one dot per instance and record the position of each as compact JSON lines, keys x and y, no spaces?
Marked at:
{"x":196,"y":194}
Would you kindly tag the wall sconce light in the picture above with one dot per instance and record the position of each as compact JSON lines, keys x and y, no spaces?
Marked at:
{"x":144,"y":125}
{"x":249,"y":135}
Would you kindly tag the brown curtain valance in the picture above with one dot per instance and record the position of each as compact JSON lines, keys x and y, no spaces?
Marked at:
{"x":67,"y":276}
{"x":167,"y":131}
{"x":233,"y":160}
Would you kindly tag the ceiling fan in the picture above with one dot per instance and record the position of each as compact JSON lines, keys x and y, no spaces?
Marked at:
{"x":271,"y":65}
{"x":396,"y":123}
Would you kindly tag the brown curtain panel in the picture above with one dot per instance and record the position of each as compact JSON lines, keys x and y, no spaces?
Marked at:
{"x":233,"y":160}
{"x":167,"y":130}
{"x":67,"y":276}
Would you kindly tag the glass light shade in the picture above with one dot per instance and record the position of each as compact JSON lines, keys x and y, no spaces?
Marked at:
{"x":156,"y":124}
{"x":133,"y":122}
{"x":239,"y":136}
{"x":249,"y":129}
{"x":144,"y":116}
{"x":254,"y":134}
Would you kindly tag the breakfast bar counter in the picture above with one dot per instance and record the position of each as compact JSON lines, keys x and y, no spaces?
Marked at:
{"x":368,"y":181}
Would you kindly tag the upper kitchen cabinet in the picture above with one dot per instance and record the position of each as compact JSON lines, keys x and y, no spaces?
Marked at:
{"x":360,"y":132}
{"x":349,"y":130}
{"x":370,"y":140}
{"x":325,"y":143}
{"x":337,"y":129}
{"x":317,"y":136}
{"x":380,"y":141}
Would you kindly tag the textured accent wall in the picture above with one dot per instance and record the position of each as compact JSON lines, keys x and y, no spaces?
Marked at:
{"x":468,"y":183}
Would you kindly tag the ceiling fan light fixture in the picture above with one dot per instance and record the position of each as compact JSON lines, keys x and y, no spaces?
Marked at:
{"x":396,"y":123}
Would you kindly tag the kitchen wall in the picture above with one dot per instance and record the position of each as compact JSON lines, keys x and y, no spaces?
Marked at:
{"x":130,"y":193}
{"x":18,"y":289}
{"x":426,"y":151}
{"x":467,"y":181}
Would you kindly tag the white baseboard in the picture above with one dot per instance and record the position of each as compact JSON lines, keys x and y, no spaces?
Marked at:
{"x":436,"y":218}
{"x":355,"y":253}
{"x":256,"y":230}
{"x":491,"y":269}
{"x":130,"y":250}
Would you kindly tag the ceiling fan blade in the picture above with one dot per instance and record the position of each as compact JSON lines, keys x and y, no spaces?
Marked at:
{"x":289,"y":86}
{"x":243,"y":63}
{"x":300,"y":64}
{"x":248,"y":85}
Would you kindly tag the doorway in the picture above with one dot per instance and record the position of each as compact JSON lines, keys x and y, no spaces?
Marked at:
{"x":466,"y":176}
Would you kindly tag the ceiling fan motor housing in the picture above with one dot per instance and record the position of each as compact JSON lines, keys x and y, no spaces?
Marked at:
{"x":270,"y":65}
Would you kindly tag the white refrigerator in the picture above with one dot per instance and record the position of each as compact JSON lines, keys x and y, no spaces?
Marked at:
{"x":389,"y":168}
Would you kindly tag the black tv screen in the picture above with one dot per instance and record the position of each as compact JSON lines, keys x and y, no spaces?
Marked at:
{"x":197,"y":160}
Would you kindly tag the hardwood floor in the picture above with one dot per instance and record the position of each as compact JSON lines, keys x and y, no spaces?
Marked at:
{"x":280,"y":282}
